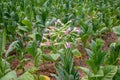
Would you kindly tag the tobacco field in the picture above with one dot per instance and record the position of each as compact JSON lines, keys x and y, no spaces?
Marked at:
{"x":59,"y":39}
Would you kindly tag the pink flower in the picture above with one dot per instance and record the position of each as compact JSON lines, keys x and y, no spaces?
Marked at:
{"x":40,"y":44}
{"x":43,"y":36}
{"x":68,"y":45}
{"x":50,"y":34}
{"x":47,"y":43}
{"x":67,"y":31}
{"x":76,"y":29}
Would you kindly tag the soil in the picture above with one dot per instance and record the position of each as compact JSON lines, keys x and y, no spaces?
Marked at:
{"x":48,"y":68}
{"x":108,"y":38}
{"x":14,"y":63}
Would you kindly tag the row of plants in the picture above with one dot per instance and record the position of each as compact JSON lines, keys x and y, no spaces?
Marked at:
{"x":33,"y":26}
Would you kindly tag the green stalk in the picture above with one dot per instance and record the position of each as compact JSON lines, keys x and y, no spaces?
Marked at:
{"x":2,"y":44}
{"x":0,"y":47}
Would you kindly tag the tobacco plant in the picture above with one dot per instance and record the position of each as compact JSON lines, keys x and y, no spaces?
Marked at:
{"x":98,"y":71}
{"x":65,"y":68}
{"x":114,"y":54}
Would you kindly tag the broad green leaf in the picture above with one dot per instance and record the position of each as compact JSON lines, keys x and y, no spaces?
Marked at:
{"x":23,"y":28}
{"x":27,"y":23}
{"x":117,"y":30}
{"x":32,"y":36}
{"x":86,"y":70}
{"x":60,"y":51}
{"x":50,"y":57}
{"x":33,"y":70}
{"x":109,"y":72}
{"x":11,"y":28}
{"x":26,"y":76}
{"x":32,"y":48}
{"x":1,"y":41}
{"x":10,"y":76}
{"x":89,"y":52}
{"x":4,"y":39}
{"x":104,"y":29}
{"x":76,"y":52}
{"x":5,"y":65}
{"x":117,"y":75}
{"x":54,"y":75}
{"x":99,"y":74}
{"x":11,"y":48}
{"x":85,"y":78}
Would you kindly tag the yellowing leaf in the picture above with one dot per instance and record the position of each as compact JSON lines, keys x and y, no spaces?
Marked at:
{"x":43,"y":77}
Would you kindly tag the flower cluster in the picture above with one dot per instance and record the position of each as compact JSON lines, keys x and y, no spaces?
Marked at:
{"x":58,"y":38}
